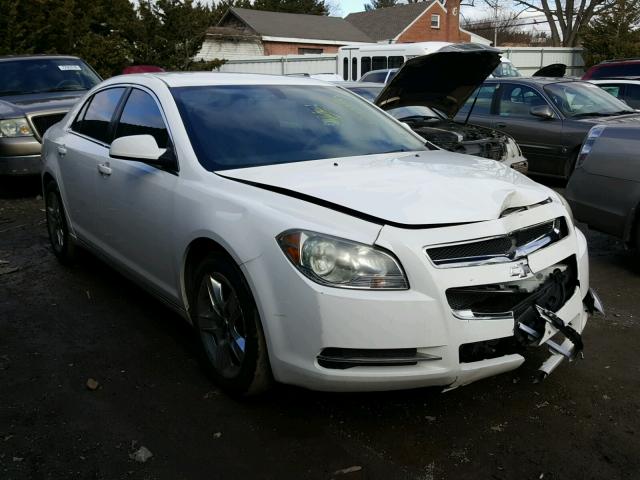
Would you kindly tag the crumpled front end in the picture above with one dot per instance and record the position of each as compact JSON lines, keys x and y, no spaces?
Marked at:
{"x":505,"y":287}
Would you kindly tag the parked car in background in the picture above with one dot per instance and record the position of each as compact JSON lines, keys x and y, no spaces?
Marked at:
{"x":368,"y":91}
{"x":36,"y":91}
{"x":604,"y":189}
{"x":614,"y":69}
{"x":427,"y":102}
{"x":379,"y":76}
{"x":548,"y":117}
{"x":325,"y":246}
{"x":622,"y":89}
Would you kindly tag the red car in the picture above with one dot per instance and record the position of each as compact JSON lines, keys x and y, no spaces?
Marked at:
{"x":623,"y":68}
{"x":142,"y":69}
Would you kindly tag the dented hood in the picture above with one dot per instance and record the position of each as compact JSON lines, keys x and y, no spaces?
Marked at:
{"x":412,"y":190}
{"x":443,"y":80}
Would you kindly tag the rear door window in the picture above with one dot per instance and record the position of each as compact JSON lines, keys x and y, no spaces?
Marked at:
{"x":95,"y":118}
{"x":617,"y":70}
{"x":141,"y":116}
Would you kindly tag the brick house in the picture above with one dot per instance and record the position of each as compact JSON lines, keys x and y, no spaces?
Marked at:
{"x":244,"y":32}
{"x":414,"y":22}
{"x":277,"y":34}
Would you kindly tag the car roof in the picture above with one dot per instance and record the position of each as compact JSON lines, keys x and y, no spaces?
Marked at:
{"x":359,"y":84}
{"x":631,"y":81}
{"x":35,"y":56}
{"x":386,"y":70}
{"x":197,"y":79}
{"x":541,"y":81}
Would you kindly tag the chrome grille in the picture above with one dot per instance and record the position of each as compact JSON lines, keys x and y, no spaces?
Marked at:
{"x":41,"y":123}
{"x":501,"y":249}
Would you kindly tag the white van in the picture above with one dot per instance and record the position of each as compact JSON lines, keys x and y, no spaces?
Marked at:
{"x":356,"y":60}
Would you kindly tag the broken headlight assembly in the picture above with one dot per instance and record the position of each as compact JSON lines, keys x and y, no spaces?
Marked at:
{"x":567,"y":207}
{"x":336,"y":262}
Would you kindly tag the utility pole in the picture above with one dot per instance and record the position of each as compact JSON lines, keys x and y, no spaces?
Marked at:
{"x":495,"y":23}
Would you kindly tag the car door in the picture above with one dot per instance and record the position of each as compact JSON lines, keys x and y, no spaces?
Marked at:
{"x":541,"y":139}
{"x":136,"y":200}
{"x":480,"y":103}
{"x":85,"y":144}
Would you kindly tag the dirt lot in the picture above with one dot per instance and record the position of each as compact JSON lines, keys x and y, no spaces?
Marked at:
{"x":61,"y":326}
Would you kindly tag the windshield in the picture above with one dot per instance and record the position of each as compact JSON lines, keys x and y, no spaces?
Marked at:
{"x":368,"y":93}
{"x":238,"y":126}
{"x":417,"y":112}
{"x":39,"y":75}
{"x":582,"y":99}
{"x":506,"y":69}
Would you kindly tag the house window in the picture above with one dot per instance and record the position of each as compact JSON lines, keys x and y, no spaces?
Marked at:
{"x":435,"y":21}
{"x":309,"y":51}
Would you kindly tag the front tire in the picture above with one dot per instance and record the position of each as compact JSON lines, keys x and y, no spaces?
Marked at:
{"x":230,"y":336}
{"x":61,"y":241}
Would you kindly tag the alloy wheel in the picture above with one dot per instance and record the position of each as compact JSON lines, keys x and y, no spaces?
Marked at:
{"x":221,"y":324}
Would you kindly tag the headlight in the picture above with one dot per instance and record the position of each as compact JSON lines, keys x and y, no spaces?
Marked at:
{"x":567,"y":206}
{"x":336,"y":262}
{"x":15,"y":127}
{"x":513,"y":149}
{"x":594,"y":133}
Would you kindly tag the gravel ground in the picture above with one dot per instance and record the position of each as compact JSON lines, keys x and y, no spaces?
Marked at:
{"x":60,"y":327}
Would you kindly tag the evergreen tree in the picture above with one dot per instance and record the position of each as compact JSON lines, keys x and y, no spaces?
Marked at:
{"x":614,"y":33}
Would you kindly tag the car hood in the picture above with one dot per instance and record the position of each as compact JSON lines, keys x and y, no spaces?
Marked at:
{"x":413,"y":190}
{"x":443,"y":80}
{"x":629,"y":119}
{"x":20,"y":105}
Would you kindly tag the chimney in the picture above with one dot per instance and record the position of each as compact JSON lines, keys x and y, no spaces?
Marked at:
{"x":453,"y":20}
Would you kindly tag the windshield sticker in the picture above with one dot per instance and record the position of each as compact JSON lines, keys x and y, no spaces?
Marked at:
{"x":69,"y":67}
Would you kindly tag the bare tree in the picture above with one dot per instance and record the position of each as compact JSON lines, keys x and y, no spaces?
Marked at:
{"x":566,"y":18}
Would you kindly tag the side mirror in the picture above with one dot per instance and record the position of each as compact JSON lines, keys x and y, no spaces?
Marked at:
{"x":143,"y":148}
{"x":542,"y":111}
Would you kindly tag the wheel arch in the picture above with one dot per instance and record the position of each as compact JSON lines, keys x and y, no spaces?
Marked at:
{"x":196,"y":250}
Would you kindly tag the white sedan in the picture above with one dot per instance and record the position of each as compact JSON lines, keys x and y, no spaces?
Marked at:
{"x":312,"y":239}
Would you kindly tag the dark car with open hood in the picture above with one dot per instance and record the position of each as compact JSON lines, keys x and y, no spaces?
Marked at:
{"x":36,"y":91}
{"x":428,"y":91}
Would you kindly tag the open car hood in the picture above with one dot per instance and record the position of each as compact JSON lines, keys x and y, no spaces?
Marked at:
{"x":443,"y":80}
{"x":555,"y":70}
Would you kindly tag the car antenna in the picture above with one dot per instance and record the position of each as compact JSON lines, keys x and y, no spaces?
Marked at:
{"x":466,"y":120}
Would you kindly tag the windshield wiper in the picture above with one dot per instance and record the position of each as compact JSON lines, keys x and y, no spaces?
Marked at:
{"x":63,"y":89}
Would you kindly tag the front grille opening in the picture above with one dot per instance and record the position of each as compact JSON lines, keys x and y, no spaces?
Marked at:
{"x":343,"y":358}
{"x":549,"y":288}
{"x":486,"y":350}
{"x":42,"y":122}
{"x":505,"y":248}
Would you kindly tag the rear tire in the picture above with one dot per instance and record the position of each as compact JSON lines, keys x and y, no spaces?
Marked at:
{"x":57,"y":227}
{"x":227,"y":322}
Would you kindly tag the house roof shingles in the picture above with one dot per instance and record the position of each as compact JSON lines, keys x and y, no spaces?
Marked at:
{"x":387,"y":23}
{"x":294,"y":25}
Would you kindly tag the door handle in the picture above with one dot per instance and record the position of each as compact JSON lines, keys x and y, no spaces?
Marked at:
{"x":62,"y":151}
{"x":104,"y":168}
{"x":500,"y":125}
